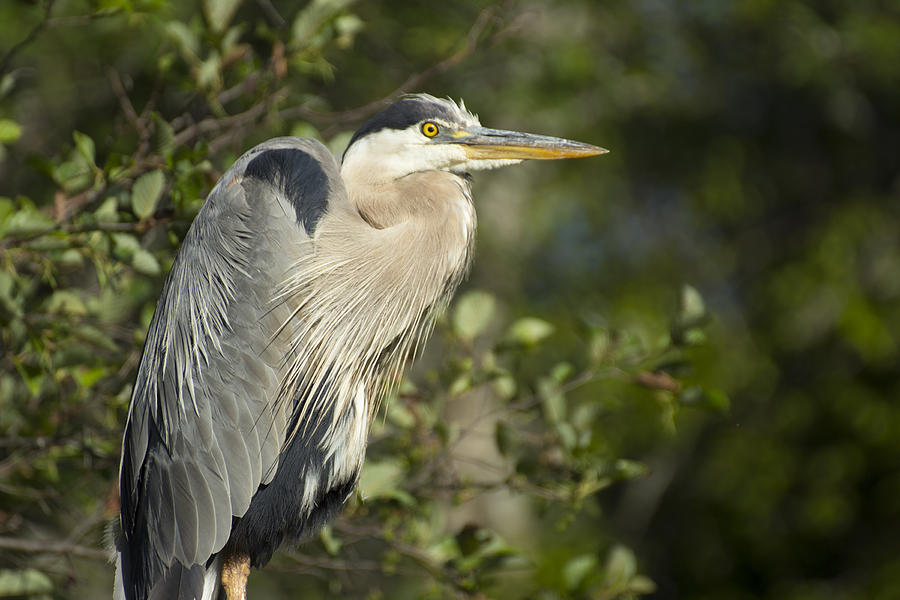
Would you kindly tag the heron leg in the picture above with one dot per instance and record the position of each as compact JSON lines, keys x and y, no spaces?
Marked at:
{"x":235,"y":571}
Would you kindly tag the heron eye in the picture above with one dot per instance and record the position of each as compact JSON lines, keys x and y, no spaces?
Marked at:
{"x":429,"y":129}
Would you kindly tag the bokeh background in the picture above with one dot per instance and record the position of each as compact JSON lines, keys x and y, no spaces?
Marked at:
{"x":674,"y":369}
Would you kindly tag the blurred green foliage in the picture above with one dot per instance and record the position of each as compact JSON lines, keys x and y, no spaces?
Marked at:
{"x":674,"y":370}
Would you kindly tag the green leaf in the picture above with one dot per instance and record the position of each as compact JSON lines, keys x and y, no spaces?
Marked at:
{"x":126,"y":244}
{"x":7,"y":208}
{"x":640,"y":584}
{"x":184,"y":37}
{"x":144,"y":262}
{"x":382,"y":480}
{"x":108,"y":211}
{"x":329,"y":541}
{"x":692,"y":309}
{"x":145,"y":193}
{"x":92,"y":335}
{"x":73,"y":175}
{"x":10,"y":131}
{"x":313,"y":16}
{"x":163,"y":134}
{"x":528,"y":331}
{"x":26,"y":221}
{"x":561,"y":372}
{"x":629,"y":469}
{"x":7,"y":82}
{"x":209,"y":75}
{"x":621,"y":565}
{"x":460,"y":385}
{"x":219,"y":13}
{"x":28,"y":582}
{"x":400,"y":416}
{"x":554,"y":400}
{"x":85,"y":146}
{"x":71,"y":259}
{"x":711,"y":399}
{"x":567,"y":435}
{"x":88,"y":377}
{"x":577,"y":569}
{"x":66,"y":302}
{"x":505,"y":386}
{"x":473,"y":313}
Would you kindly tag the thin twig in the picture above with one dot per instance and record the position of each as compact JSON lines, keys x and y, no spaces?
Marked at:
{"x":334,"y":564}
{"x":124,"y":101}
{"x":658,"y":380}
{"x":16,"y":48}
{"x":212,"y":125}
{"x":137,"y":227}
{"x":52,"y":547}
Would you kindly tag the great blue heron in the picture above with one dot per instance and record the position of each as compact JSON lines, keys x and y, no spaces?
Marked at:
{"x":299,"y":293}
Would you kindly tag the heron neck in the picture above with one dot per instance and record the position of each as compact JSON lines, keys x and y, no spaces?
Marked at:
{"x":382,"y":265}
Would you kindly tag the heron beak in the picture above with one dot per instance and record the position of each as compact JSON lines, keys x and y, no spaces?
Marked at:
{"x":485,"y":143}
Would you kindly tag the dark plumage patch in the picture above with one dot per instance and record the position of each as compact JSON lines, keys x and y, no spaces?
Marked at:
{"x":276,"y":512}
{"x":402,"y":114}
{"x":299,"y":177}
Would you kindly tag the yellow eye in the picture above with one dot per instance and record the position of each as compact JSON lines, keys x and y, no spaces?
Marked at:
{"x":429,"y":129}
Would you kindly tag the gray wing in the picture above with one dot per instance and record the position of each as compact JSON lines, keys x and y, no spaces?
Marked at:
{"x":203,"y":430}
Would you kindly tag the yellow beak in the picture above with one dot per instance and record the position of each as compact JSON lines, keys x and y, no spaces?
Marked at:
{"x":485,"y":143}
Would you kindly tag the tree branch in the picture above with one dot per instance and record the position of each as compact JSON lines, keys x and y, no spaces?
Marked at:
{"x":212,"y":125}
{"x":16,"y":48}
{"x":52,"y":547}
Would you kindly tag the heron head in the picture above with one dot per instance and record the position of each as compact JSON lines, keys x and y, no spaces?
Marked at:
{"x":423,"y":133}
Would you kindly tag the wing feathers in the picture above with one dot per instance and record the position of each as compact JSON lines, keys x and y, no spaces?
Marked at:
{"x":165,"y":517}
{"x":238,"y":469}
{"x":205,"y":426}
{"x":185,"y":514}
{"x":180,"y":583}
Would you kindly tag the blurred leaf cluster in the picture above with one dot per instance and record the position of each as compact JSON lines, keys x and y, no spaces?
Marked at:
{"x":674,"y":371}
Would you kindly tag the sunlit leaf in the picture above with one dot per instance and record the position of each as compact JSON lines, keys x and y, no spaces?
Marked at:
{"x":126,"y":243}
{"x":382,"y":480}
{"x":144,"y":262}
{"x":313,"y":16}
{"x":184,"y":37}
{"x":26,"y":220}
{"x":145,"y":193}
{"x":576,"y":569}
{"x":10,"y":131}
{"x":692,"y":309}
{"x":505,"y":386}
{"x":163,"y":134}
{"x":621,"y":565}
{"x":107,"y":212}
{"x":219,"y":13}
{"x":66,"y":302}
{"x":554,"y":401}
{"x":641,"y":584}
{"x":7,"y":82}
{"x":329,"y":541}
{"x":209,"y":74}
{"x":629,"y":469}
{"x":528,"y":331}
{"x":473,"y":314}
{"x":27,"y":582}
{"x":85,"y":146}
